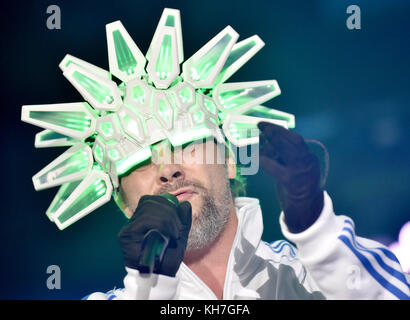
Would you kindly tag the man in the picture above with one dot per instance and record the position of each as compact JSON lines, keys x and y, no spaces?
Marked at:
{"x":187,"y":236}
{"x":225,"y":257}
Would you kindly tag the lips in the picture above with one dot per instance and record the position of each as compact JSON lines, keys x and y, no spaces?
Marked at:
{"x":184,"y":194}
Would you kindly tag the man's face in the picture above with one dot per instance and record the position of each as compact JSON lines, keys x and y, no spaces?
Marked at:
{"x":190,"y":177}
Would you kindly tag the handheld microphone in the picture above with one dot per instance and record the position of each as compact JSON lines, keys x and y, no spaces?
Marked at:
{"x":154,"y":244}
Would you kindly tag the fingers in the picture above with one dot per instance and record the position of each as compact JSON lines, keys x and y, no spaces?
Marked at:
{"x":164,"y":200}
{"x":274,"y":168}
{"x":284,"y":145}
{"x":267,"y":149}
{"x":185,"y":213}
{"x":155,"y":212}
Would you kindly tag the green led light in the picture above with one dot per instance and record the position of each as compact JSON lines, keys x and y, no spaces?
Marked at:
{"x":170,"y":22}
{"x":210,"y":106}
{"x":213,"y":121}
{"x":97,"y":166}
{"x":75,"y":120}
{"x":114,"y":154}
{"x":98,"y":91}
{"x":221,"y":115}
{"x":198,"y":116}
{"x":125,"y":164}
{"x":77,"y":162}
{"x":63,"y":193}
{"x":189,"y":136}
{"x":131,"y":125}
{"x":264,"y":112}
{"x":125,"y":59}
{"x":98,"y":153}
{"x":163,"y":65}
{"x":92,"y":193}
{"x":107,"y":129}
{"x":235,"y":98}
{"x":185,"y":95}
{"x":234,"y":55}
{"x":51,"y":135}
{"x":138,"y":94}
{"x":164,"y":111}
{"x":202,"y":68}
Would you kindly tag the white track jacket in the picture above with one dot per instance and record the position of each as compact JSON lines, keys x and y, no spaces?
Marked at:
{"x":328,"y":262}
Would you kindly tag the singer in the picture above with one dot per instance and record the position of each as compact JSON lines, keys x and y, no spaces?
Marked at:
{"x":190,"y":234}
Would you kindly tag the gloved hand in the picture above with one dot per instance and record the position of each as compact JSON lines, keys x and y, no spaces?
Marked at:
{"x":285,"y":155}
{"x":173,"y":221}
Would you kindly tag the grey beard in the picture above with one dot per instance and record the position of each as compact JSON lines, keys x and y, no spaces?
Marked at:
{"x":210,"y":221}
{"x":212,"y":216}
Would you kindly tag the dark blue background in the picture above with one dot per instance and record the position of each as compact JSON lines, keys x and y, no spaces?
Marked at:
{"x":349,"y":89}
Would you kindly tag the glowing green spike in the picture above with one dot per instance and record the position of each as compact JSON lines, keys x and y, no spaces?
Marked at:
{"x":125,"y":59}
{"x":240,"y":97}
{"x":63,"y":193}
{"x":97,"y":90}
{"x":163,"y":67}
{"x":94,"y":191}
{"x":72,"y":165}
{"x":264,"y":112}
{"x":202,"y":68}
{"x":69,"y":59}
{"x":50,"y":138}
{"x":74,"y":120}
{"x":239,"y":55}
{"x":51,"y":135}
{"x":235,"y":54}
{"x":236,"y":98}
{"x":170,"y":19}
{"x":76,"y":163}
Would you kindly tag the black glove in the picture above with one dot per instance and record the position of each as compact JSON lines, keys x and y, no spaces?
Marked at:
{"x":172,"y":221}
{"x":285,"y":155}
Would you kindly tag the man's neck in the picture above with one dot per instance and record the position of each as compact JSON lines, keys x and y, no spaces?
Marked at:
{"x":210,"y":263}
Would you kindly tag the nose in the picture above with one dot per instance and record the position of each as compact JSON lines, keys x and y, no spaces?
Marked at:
{"x":169,"y":173}
{"x":169,"y":168}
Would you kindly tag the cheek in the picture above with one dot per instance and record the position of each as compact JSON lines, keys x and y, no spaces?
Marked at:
{"x":135,"y":186}
{"x":212,"y":177}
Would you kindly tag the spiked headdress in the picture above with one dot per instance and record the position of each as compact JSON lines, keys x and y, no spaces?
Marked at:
{"x":159,"y":97}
